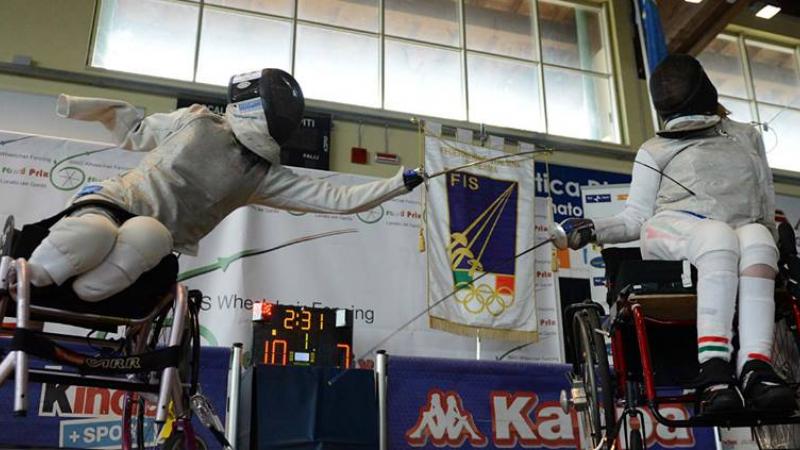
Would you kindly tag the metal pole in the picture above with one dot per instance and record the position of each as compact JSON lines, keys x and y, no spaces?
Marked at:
{"x":478,"y":346}
{"x":23,"y":315}
{"x":169,"y":375}
{"x":381,"y":366}
{"x":232,"y":405}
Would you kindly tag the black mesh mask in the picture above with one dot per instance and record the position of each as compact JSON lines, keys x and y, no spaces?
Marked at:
{"x":680,"y":87}
{"x":281,"y":98}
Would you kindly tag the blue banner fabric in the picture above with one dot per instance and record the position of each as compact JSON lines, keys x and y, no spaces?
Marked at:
{"x":655,"y":42}
{"x":446,"y":403}
{"x":62,"y":415}
{"x":313,"y":408}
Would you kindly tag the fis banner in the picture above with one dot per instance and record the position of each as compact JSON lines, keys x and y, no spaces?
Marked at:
{"x":478,"y":219}
{"x":459,"y":404}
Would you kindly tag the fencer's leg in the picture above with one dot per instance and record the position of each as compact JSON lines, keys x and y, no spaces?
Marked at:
{"x":74,"y":245}
{"x":141,"y":243}
{"x":714,"y":250}
{"x":763,"y":389}
{"x":758,"y":267}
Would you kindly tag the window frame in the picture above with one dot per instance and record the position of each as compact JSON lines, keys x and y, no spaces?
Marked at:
{"x":619,"y":138}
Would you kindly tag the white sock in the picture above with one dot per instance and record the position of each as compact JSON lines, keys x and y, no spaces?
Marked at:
{"x":756,"y":319}
{"x":716,"y":303}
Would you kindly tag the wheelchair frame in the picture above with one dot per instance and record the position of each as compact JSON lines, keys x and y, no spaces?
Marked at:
{"x":588,"y":392}
{"x":15,"y":287}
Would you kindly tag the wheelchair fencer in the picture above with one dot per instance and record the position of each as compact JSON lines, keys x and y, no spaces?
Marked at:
{"x":651,"y":325}
{"x":136,"y":363}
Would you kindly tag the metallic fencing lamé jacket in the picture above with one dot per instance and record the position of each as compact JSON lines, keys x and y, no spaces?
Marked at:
{"x":724,"y":165}
{"x":195,"y":173}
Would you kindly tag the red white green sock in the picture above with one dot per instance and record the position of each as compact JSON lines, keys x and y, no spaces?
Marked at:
{"x":713,"y":347}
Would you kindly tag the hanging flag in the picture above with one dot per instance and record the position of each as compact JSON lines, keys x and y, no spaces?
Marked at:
{"x":478,"y":219}
{"x":655,"y":42}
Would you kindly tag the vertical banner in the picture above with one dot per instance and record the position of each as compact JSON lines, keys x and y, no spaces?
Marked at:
{"x":478,"y":219}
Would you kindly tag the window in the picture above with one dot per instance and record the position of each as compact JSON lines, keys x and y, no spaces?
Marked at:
{"x":760,"y":82}
{"x":534,"y":65}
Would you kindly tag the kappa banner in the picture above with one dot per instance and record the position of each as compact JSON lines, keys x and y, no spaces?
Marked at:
{"x":459,"y":404}
{"x":478,"y":219}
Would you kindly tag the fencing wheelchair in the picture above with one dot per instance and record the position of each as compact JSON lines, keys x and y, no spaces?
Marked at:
{"x":651,"y":326}
{"x":156,"y":357}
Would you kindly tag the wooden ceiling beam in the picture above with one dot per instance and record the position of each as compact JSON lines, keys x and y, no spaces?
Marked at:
{"x":689,"y":27}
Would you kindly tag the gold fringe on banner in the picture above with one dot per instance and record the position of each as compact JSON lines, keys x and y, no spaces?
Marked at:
{"x":488,"y":333}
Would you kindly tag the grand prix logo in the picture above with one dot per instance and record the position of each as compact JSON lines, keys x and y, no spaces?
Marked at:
{"x":520,"y":420}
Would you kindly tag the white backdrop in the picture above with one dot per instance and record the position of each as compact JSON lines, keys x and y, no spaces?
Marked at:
{"x":378,"y":271}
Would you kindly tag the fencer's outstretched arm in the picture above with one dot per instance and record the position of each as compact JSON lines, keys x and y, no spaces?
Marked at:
{"x":285,"y":189}
{"x":127,"y":125}
{"x":625,"y":226}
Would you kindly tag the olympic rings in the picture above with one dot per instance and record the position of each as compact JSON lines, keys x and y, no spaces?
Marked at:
{"x":483,"y":297}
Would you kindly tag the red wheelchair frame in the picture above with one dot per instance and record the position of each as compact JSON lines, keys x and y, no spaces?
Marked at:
{"x":598,"y":389}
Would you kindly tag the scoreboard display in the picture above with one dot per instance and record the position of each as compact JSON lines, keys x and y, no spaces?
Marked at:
{"x":285,"y":335}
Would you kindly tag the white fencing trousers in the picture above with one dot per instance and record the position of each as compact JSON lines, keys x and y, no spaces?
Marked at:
{"x":720,"y":254}
{"x":105,"y":258}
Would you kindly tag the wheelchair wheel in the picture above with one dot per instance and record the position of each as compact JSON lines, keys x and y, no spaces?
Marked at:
{"x":7,"y":236}
{"x":786,"y":360}
{"x":591,"y":367}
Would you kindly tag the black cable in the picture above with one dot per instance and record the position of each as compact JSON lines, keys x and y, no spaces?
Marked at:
{"x":402,"y":327}
{"x":512,"y":350}
{"x":666,"y":176}
{"x":140,"y":422}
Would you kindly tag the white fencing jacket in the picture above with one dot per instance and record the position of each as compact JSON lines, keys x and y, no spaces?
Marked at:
{"x":195,"y":173}
{"x":725,"y":166}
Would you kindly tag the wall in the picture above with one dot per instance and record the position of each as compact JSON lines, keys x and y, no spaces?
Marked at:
{"x":56,"y":34}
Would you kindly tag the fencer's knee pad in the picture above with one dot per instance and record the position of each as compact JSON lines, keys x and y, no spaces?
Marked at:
{"x":74,"y":246}
{"x":141,"y":243}
{"x":757,"y":247}
{"x":712,"y":236}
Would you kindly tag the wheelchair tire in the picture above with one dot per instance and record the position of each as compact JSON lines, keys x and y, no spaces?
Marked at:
{"x":7,"y":237}
{"x":636,"y":442}
{"x":591,"y":361}
{"x":175,"y":442}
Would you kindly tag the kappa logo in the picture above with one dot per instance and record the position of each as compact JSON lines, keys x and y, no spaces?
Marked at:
{"x":520,"y":419}
{"x":444,"y":422}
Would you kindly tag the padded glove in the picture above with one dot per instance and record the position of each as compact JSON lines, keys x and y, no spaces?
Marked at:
{"x":413,"y":178}
{"x":579,"y":232}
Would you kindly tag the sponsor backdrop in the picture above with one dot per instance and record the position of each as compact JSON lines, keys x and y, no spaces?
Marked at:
{"x":62,"y":415}
{"x":378,"y":270}
{"x":482,"y":404}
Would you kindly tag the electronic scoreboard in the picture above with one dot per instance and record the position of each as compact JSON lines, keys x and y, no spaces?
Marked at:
{"x":285,"y":335}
